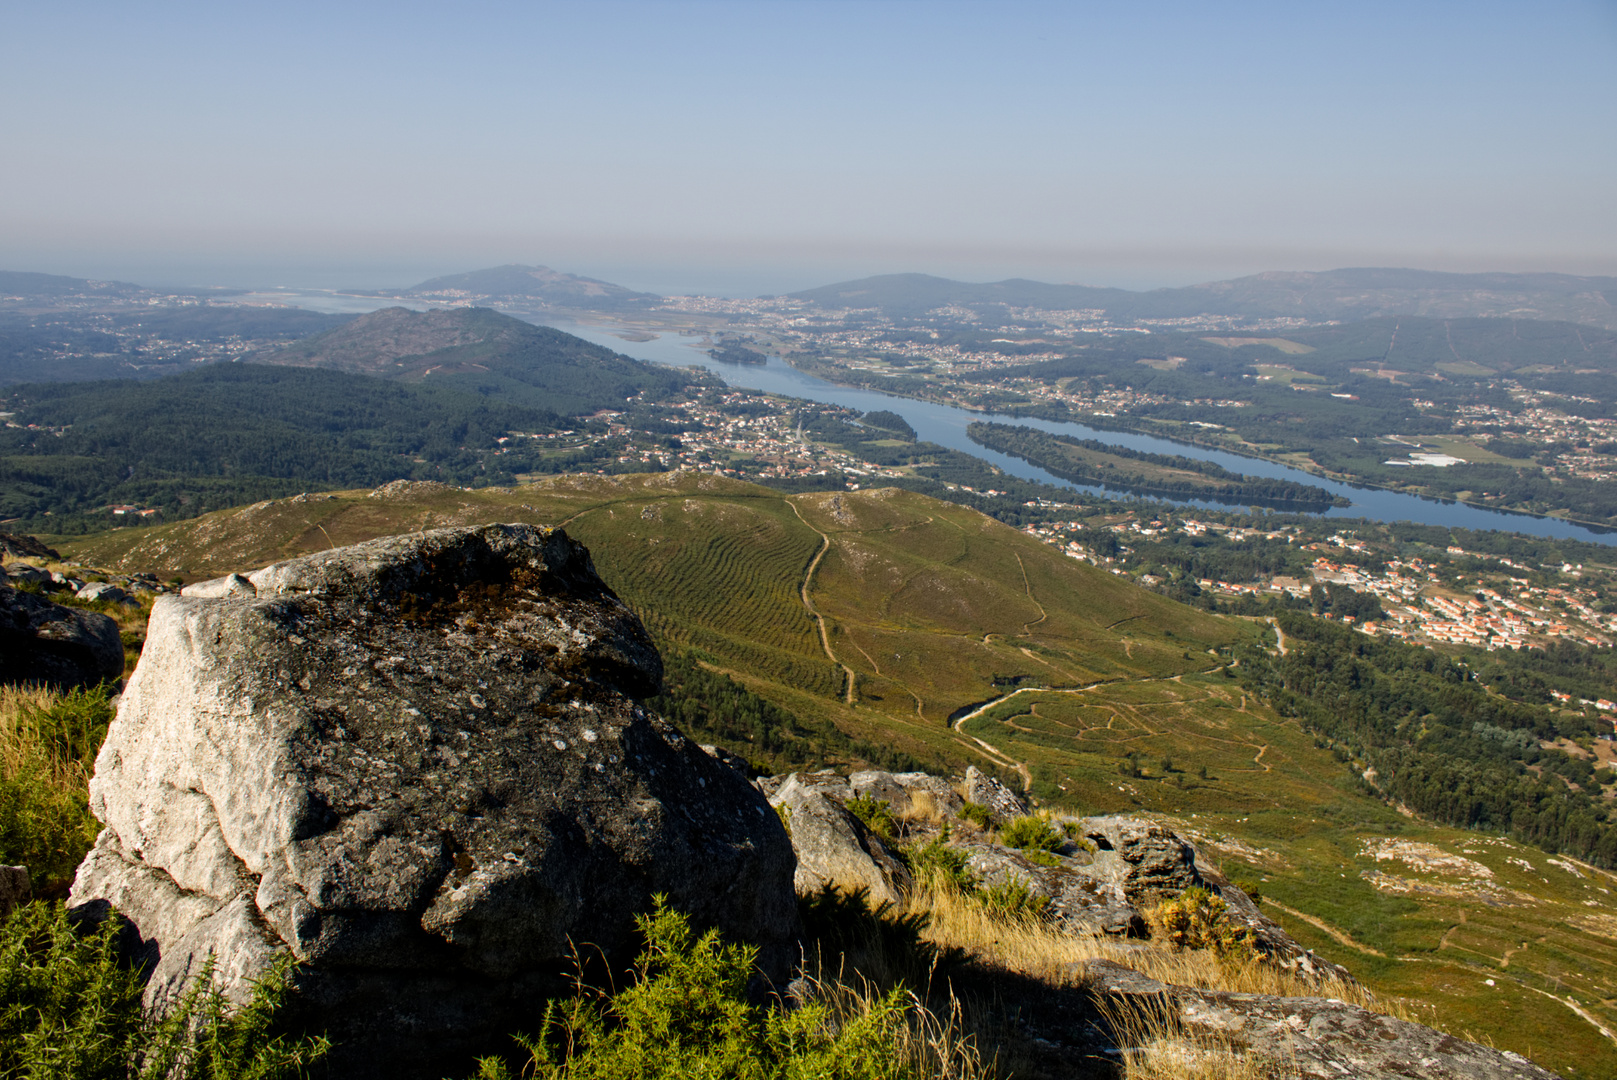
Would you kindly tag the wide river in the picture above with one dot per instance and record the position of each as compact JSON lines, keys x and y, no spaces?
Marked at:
{"x":946,"y":425}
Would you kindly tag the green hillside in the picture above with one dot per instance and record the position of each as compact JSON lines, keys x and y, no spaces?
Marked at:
{"x":481,"y":351}
{"x":950,"y":639}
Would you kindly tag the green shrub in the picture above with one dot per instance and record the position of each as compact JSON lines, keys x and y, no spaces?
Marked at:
{"x":1030,"y":834}
{"x":687,"y":1015}
{"x":48,"y":744}
{"x":942,"y":864}
{"x":876,"y":815}
{"x":70,"y":1011}
{"x":1013,"y":898}
{"x":978,"y":815}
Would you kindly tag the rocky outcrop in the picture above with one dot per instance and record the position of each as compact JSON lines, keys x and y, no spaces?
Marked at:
{"x":61,"y":647}
{"x":1104,"y":881}
{"x":832,"y":846}
{"x":1000,"y":801}
{"x":14,"y":546}
{"x":418,"y":765}
{"x":1311,"y":1038}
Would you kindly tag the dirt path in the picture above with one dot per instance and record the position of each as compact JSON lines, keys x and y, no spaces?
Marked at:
{"x":1280,"y":636}
{"x":808,"y":578}
{"x":1320,"y":924}
{"x":1027,"y":587}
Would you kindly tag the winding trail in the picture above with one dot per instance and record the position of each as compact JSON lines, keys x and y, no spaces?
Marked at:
{"x":850,"y":677}
{"x":1322,"y":925}
{"x":1280,"y":636}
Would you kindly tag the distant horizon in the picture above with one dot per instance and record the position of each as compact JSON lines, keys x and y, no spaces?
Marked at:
{"x":664,"y":280}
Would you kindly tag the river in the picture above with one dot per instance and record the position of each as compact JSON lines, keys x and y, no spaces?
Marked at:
{"x":946,"y":425}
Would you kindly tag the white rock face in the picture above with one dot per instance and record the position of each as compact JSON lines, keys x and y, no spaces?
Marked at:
{"x":418,"y":765}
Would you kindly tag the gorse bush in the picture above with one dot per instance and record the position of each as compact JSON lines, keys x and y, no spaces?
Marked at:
{"x":69,"y":1010}
{"x":687,"y":1016}
{"x":1031,"y":834}
{"x":875,"y":814}
{"x":1196,"y":919}
{"x":48,"y":743}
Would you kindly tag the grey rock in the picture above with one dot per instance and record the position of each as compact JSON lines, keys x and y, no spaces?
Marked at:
{"x":106,"y":592}
{"x":14,"y":888}
{"x":46,"y":643}
{"x":28,"y":573}
{"x":1001,"y":801}
{"x":229,"y":585}
{"x":899,"y":790}
{"x":14,"y":546}
{"x":418,"y":765}
{"x":1314,"y":1038}
{"x":832,"y":846}
{"x":1149,"y":858}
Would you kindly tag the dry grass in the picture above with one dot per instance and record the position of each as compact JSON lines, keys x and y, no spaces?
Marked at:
{"x":922,"y":810}
{"x":933,"y":1042}
{"x":18,"y":742}
{"x":1156,"y":1048}
{"x":1031,"y":946}
{"x":48,"y":743}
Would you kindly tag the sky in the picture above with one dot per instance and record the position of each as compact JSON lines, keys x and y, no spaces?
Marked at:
{"x":749,"y":147}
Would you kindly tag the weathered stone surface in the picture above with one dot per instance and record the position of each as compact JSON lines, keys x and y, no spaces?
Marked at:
{"x":900,"y":790}
{"x":14,"y":888}
{"x":229,"y":585}
{"x":985,"y":791}
{"x":106,"y":591}
{"x":62,"y":647}
{"x":832,"y":846}
{"x":1316,"y":1038}
{"x":416,"y":764}
{"x":1150,"y":858}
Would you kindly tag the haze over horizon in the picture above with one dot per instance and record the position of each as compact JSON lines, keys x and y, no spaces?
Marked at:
{"x":750,"y":148}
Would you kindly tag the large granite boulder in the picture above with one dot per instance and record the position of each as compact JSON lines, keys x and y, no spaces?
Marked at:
{"x":418,"y":765}
{"x":61,"y":647}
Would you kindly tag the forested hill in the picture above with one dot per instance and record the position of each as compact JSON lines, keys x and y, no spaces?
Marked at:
{"x":532,"y":284}
{"x":483,"y":352}
{"x":229,"y":434}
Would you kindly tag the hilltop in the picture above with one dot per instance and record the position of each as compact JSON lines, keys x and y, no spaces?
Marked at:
{"x":530,"y":285}
{"x":481,"y":351}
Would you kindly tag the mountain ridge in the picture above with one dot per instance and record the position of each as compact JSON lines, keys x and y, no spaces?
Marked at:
{"x":1316,"y":296}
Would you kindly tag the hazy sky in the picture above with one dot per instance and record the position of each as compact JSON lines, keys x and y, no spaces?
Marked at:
{"x":761,"y":146}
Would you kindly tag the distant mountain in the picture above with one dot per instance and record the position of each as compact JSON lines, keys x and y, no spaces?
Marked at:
{"x":483,"y":351}
{"x":18,"y":285}
{"x":21,"y":286}
{"x":530,"y":284}
{"x":1318,"y":297}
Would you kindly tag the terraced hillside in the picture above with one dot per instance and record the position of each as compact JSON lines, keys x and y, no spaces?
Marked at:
{"x":885,"y":612}
{"x":925,"y":627}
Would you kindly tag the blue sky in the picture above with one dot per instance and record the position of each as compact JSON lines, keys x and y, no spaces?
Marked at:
{"x":758,"y":146}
